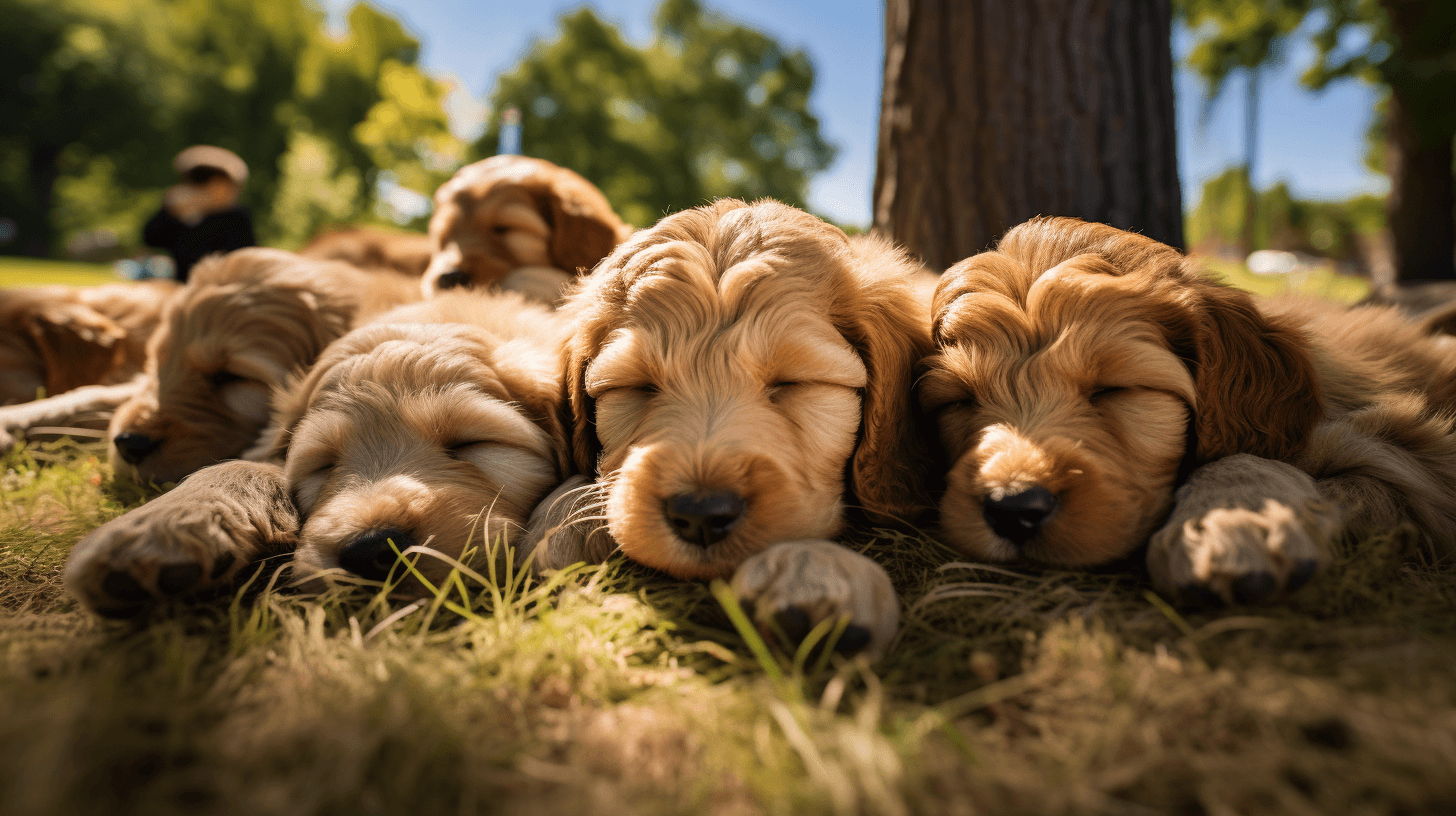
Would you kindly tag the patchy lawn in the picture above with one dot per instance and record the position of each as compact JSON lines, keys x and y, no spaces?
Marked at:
{"x":614,"y":690}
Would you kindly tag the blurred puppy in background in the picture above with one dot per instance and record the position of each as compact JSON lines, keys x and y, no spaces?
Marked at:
{"x":737,"y":375}
{"x":437,"y":426}
{"x":59,"y":338}
{"x":406,"y":253}
{"x":246,"y":322}
{"x":1083,"y":371}
{"x":519,"y":224}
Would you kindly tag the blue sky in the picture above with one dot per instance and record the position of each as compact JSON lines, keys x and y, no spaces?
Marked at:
{"x":1314,"y":142}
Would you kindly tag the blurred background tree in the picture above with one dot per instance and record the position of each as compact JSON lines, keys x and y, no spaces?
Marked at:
{"x":110,"y":90}
{"x":1406,"y":46}
{"x":708,"y":109}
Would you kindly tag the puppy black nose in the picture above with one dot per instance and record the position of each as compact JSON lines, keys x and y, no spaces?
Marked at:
{"x":1017,"y":517}
{"x":704,"y":518}
{"x":369,"y":554}
{"x":135,"y":447}
{"x":453,"y":280}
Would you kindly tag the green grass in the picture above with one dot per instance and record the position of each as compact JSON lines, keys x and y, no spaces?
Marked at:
{"x":1321,"y":282}
{"x":34,"y":272}
{"x":614,"y":689}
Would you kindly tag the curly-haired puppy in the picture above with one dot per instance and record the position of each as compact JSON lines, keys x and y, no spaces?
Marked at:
{"x":59,"y":338}
{"x":407,"y":253}
{"x":1082,"y":371}
{"x":737,"y":374}
{"x":437,"y":426}
{"x":244,"y":323}
{"x":520,"y":224}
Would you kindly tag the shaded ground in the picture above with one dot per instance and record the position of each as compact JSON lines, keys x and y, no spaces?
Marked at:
{"x":616,"y":690}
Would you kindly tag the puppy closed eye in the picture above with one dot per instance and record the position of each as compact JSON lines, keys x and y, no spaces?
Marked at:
{"x":1102,"y":392}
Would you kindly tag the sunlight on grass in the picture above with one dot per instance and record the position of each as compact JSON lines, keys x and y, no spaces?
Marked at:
{"x":34,"y":272}
{"x":612,"y":688}
{"x":1321,"y":282}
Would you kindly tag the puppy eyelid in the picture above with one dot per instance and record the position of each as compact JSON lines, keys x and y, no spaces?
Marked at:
{"x":1105,"y":390}
{"x":222,"y":377}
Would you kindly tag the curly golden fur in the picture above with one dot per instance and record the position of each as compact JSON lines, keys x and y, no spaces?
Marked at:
{"x":407,"y":253}
{"x":751,"y":353}
{"x":245,"y":322}
{"x":60,"y":338}
{"x":437,"y":425}
{"x":1093,"y":368}
{"x":507,"y":213}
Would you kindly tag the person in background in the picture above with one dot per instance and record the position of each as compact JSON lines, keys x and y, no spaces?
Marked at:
{"x":201,"y":215}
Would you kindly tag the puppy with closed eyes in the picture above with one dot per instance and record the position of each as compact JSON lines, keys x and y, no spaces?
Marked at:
{"x":244,"y":324}
{"x":435,"y":427}
{"x":1082,"y":372}
{"x":738,"y":376}
{"x":519,"y":224}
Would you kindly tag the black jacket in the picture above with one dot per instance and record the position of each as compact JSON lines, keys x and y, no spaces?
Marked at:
{"x":218,"y":232}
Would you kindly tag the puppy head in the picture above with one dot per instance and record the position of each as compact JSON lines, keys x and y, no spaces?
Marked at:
{"x":1078,"y":369}
{"x":511,"y":211}
{"x":420,"y":435}
{"x":245,"y":322}
{"x":731,"y":368}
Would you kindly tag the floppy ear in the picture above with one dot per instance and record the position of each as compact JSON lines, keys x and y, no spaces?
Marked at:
{"x":540,"y":398}
{"x":292,"y":398}
{"x":79,"y":345}
{"x":584,"y":230}
{"x":577,"y":408}
{"x":891,"y":461}
{"x":1253,"y":377}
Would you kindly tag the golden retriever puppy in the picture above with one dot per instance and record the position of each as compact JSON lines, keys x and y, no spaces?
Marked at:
{"x":59,"y":338}
{"x":1082,"y":372}
{"x":244,"y":323}
{"x":407,"y":253}
{"x":437,"y":426}
{"x":737,"y":375}
{"x":520,"y":224}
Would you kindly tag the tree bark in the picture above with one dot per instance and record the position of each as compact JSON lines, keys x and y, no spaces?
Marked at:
{"x":994,"y":112}
{"x":1421,"y":126}
{"x":37,"y":236}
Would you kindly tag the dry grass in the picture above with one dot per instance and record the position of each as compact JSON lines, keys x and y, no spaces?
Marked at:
{"x":612,"y":689}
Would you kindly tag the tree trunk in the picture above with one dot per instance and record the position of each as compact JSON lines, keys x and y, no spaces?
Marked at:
{"x":994,"y":112}
{"x":37,"y":236}
{"x":1421,"y":127}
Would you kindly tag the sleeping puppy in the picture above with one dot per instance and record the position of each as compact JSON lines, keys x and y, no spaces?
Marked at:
{"x":406,"y":253}
{"x":244,"y":323}
{"x":59,"y":338}
{"x":520,"y":224}
{"x":437,"y":426}
{"x":1082,"y":371}
{"x":738,"y":374}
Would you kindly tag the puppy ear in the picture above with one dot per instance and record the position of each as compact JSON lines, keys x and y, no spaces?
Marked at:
{"x":578,"y":409}
{"x":891,"y":330}
{"x":1253,"y":376}
{"x":584,"y":230}
{"x":79,"y":345}
{"x":292,"y":398}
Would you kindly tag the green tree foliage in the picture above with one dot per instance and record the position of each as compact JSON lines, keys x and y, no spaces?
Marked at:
{"x":110,"y":90}
{"x":1333,"y":229}
{"x":708,"y":109}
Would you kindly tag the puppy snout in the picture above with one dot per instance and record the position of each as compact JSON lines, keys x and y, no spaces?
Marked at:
{"x":134,"y":447}
{"x":369,"y":555}
{"x":704,"y":518}
{"x":1017,"y":517}
{"x":454,"y":279}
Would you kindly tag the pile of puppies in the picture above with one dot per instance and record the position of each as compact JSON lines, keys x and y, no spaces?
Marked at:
{"x":718,"y":393}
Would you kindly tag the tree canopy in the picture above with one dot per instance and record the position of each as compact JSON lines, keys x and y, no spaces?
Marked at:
{"x":110,"y":90}
{"x":708,"y":109}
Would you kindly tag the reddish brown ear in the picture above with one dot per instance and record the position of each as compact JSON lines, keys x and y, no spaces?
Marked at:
{"x":891,"y":462}
{"x":1253,"y":375}
{"x":584,"y":230}
{"x":79,"y":345}
{"x":578,"y":410}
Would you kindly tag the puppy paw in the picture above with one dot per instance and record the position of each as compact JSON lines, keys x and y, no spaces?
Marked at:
{"x":567,"y":528}
{"x":794,"y":586}
{"x":1244,"y":530}
{"x":195,"y":538}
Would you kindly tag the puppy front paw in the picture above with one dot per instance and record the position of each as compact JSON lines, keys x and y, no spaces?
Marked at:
{"x":195,"y":538}
{"x":793,"y":586}
{"x":566,"y":528}
{"x":1244,"y":530}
